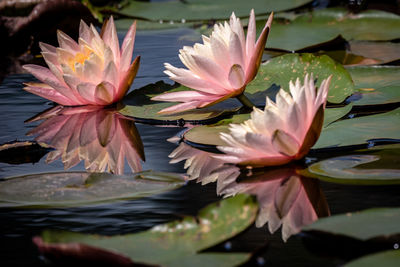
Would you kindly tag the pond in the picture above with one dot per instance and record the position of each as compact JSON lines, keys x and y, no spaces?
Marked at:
{"x":123,"y":216}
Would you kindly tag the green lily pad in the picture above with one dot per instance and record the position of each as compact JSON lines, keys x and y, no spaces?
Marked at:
{"x":209,"y":134}
{"x":389,"y":258}
{"x":380,"y":167}
{"x":81,"y":188}
{"x":359,"y":130}
{"x":320,"y":26}
{"x":376,"y":84}
{"x":173,"y":244}
{"x":363,"y":225}
{"x":200,"y":10}
{"x":139,"y":106}
{"x":278,"y":71}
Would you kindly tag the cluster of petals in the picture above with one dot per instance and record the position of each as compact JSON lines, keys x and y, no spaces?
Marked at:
{"x":284,"y":131}
{"x":102,"y":138}
{"x":219,"y":68}
{"x":92,"y":71}
{"x":285,"y":198}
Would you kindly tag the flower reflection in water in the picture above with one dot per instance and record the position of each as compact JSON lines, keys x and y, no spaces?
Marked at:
{"x":101,"y":137}
{"x":285,"y":198}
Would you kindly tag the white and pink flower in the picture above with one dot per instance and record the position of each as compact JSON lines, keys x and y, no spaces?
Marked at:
{"x":92,"y":71}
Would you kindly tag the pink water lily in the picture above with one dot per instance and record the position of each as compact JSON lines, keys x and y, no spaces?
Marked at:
{"x":219,"y":68}
{"x":92,"y":71}
{"x":284,"y":131}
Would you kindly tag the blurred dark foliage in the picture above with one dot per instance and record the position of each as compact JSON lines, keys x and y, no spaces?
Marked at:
{"x":23,"y":24}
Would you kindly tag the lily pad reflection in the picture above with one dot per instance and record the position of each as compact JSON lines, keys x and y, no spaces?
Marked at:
{"x":82,"y":188}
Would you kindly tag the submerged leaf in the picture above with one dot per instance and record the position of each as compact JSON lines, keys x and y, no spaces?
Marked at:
{"x":20,"y":152}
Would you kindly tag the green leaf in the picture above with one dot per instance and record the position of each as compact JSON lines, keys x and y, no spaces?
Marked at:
{"x":81,"y":188}
{"x":389,"y":258}
{"x":360,"y":130}
{"x":140,"y":107}
{"x":363,"y":225}
{"x":209,"y":134}
{"x":376,"y":84}
{"x":198,"y":10}
{"x":177,"y":243}
{"x":379,"y":167}
{"x":278,"y":71}
{"x":320,"y":26}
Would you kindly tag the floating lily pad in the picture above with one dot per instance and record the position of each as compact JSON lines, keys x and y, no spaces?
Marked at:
{"x":360,"y":130}
{"x":140,"y":107}
{"x":319,"y":26}
{"x":376,"y":84}
{"x":278,"y":71}
{"x":173,"y":244}
{"x":380,"y":167}
{"x":389,"y":258}
{"x":363,"y":225}
{"x":82,"y":188}
{"x":209,"y":134}
{"x":198,"y":10}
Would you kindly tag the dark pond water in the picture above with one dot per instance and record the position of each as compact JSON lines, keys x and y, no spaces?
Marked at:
{"x":18,"y":226}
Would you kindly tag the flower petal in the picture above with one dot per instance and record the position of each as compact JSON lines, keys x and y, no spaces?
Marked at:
{"x":236,"y":50}
{"x":251,"y":35}
{"x":127,"y":81}
{"x":313,"y":133}
{"x":127,"y":47}
{"x":48,"y":92}
{"x":236,"y":77}
{"x":104,"y":93}
{"x":284,"y":143}
{"x":86,"y":90}
{"x":110,"y":39}
{"x":67,"y":42}
{"x":256,"y":56}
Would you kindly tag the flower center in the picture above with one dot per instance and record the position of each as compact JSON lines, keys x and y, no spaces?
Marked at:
{"x":80,"y":57}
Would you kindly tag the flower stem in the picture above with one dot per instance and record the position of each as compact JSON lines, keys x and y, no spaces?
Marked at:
{"x":245,"y":101}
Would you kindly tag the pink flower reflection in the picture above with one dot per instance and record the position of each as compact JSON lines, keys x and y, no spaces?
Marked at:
{"x":101,"y":137}
{"x":285,"y":198}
